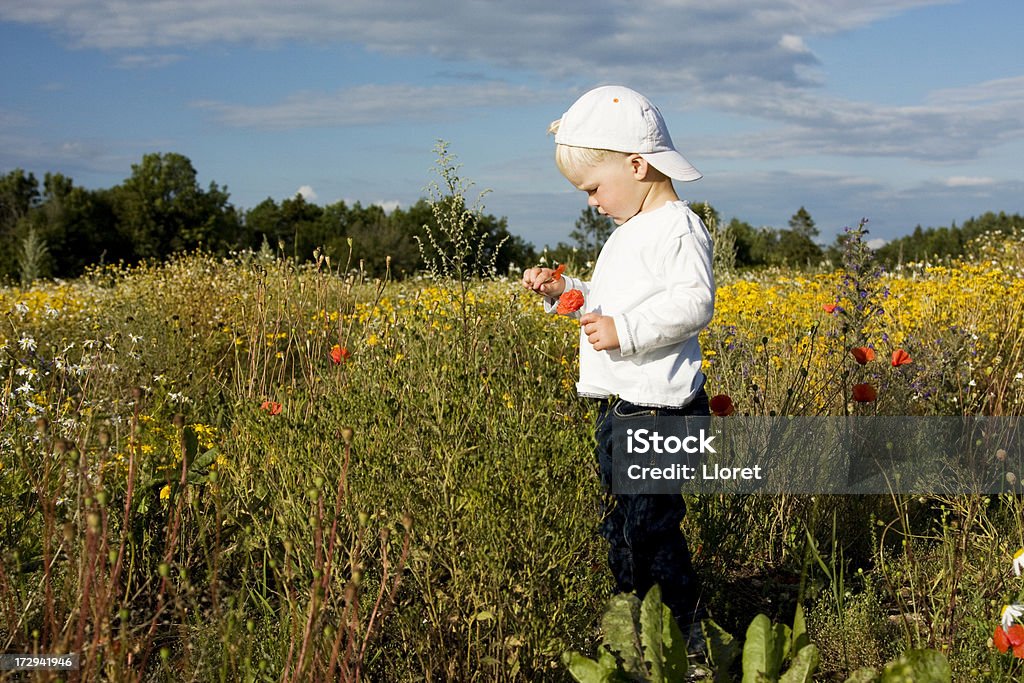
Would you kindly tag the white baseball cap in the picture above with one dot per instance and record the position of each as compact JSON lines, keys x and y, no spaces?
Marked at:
{"x":622,"y":120}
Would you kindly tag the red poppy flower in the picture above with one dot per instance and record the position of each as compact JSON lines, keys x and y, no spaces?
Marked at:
{"x":863,"y":354}
{"x":557,"y":275}
{"x":1001,"y":639}
{"x":340,"y":353}
{"x":829,"y":308}
{"x":272,"y":407}
{"x":864,"y":393}
{"x":900,"y":357}
{"x":1014,"y":638}
{"x":569,"y":302}
{"x":721,"y":405}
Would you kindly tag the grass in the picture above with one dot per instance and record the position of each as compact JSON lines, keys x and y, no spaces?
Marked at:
{"x":192,"y":488}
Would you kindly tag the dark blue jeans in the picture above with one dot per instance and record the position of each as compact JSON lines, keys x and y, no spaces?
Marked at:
{"x":646,"y":545}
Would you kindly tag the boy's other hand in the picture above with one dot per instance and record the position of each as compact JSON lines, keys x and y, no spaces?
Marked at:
{"x":541,"y":280}
{"x":600,"y":331}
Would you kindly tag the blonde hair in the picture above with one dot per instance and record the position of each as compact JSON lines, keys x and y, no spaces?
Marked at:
{"x":570,"y":160}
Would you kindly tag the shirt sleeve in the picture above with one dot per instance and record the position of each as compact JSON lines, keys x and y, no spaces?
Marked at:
{"x":551,"y":303}
{"x":682,"y":309}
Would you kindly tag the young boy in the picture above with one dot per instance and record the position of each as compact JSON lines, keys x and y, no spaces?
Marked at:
{"x":651,"y":293}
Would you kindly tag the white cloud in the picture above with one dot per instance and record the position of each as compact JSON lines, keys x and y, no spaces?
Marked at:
{"x":368,"y":105}
{"x":388,"y":205}
{"x":710,"y":43}
{"x":307,"y":192}
{"x":148,"y":61}
{"x":968,"y":181}
{"x":793,"y":44}
{"x":951,"y":125}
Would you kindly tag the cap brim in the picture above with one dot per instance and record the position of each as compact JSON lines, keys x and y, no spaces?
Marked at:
{"x":673,"y":164}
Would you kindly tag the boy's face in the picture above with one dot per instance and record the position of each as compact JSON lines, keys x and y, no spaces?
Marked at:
{"x":612,"y":187}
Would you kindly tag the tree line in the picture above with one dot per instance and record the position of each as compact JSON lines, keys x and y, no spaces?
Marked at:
{"x":58,"y":229}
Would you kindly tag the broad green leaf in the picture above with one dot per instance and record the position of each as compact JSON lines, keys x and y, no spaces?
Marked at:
{"x":587,"y":670}
{"x":761,"y":656}
{"x":663,"y":642}
{"x":674,"y":652}
{"x":619,"y":624}
{"x":804,"y":665}
{"x":652,"y":616}
{"x":197,"y":467}
{"x":722,"y":650}
{"x":800,"y":638}
{"x":205,"y":460}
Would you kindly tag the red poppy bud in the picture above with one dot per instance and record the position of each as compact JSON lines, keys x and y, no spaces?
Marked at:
{"x":864,"y":393}
{"x":900,"y":357}
{"x":557,"y":275}
{"x":569,"y":302}
{"x":721,"y":405}
{"x":863,"y":354}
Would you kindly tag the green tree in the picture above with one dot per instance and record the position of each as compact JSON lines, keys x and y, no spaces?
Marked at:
{"x":19,"y":194}
{"x":79,"y":225}
{"x":375,"y":237}
{"x":162,"y":209}
{"x":590,"y":233}
{"x":796,"y":246}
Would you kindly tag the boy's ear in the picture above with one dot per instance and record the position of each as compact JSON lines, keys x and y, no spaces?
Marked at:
{"x":639,"y":166}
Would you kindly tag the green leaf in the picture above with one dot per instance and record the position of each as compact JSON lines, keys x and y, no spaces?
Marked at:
{"x":762,"y":656}
{"x":722,"y":650}
{"x":619,"y":624}
{"x":919,"y":666}
{"x":196,"y":468}
{"x":804,"y":665}
{"x":587,"y":670}
{"x":781,"y":642}
{"x":663,"y":642}
{"x":206,"y":459}
{"x":800,"y":638}
{"x":866,"y":675}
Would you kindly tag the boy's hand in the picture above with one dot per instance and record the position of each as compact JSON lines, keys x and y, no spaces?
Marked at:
{"x":541,"y":280}
{"x":600,"y":331}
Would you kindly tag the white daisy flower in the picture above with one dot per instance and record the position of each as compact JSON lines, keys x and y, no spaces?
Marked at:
{"x":27,"y":344}
{"x":1018,"y":562}
{"x":21,"y":307}
{"x":1011,"y":613}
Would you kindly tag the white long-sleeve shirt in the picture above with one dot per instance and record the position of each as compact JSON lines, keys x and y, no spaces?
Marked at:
{"x":654,"y":277}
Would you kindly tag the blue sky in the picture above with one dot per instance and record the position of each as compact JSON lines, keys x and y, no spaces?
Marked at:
{"x":906,"y":112}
